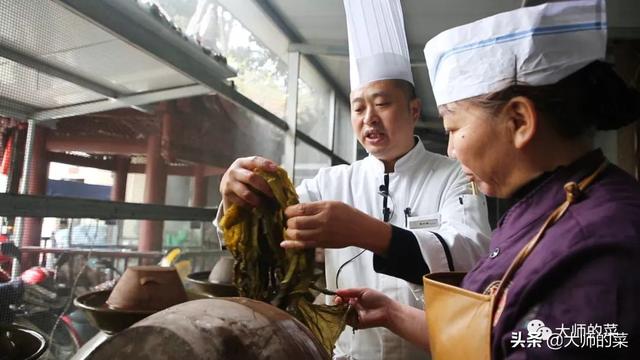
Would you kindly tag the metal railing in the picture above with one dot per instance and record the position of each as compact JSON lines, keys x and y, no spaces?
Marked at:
{"x":200,"y":259}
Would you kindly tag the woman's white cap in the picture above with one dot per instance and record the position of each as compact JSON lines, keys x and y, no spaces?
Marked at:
{"x":377,"y":42}
{"x":537,"y":45}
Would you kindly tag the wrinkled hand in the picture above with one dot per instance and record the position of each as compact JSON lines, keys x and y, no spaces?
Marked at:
{"x":373,"y":307}
{"x":325,"y":224}
{"x":241,"y":186}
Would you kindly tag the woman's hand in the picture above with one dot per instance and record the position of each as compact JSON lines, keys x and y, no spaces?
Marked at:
{"x":372,"y":307}
{"x":241,"y":186}
{"x":376,"y":309}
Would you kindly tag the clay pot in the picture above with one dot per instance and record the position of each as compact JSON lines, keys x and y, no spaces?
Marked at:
{"x":147,"y":288}
{"x":221,"y":328}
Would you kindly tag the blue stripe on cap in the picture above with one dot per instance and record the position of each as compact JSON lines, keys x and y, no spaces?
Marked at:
{"x":544,"y":30}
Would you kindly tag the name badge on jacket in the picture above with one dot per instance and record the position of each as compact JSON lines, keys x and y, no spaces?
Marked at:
{"x":424,"y":222}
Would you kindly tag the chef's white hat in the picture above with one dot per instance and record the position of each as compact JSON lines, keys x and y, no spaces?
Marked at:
{"x":537,"y":45}
{"x":377,"y":42}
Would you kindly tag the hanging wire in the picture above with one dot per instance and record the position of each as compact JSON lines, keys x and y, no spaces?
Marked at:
{"x":70,"y":299}
{"x":387,"y":214}
{"x":345,"y":264}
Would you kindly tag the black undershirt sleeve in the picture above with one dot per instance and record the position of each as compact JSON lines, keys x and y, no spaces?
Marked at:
{"x":404,"y":259}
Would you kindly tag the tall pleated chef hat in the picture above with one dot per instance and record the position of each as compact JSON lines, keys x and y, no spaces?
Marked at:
{"x":535,"y":46}
{"x":377,"y":42}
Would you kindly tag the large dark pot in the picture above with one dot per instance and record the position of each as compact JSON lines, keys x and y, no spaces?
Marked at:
{"x":20,"y":343}
{"x":221,"y":328}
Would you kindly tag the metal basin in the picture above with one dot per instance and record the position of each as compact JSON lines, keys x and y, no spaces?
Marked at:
{"x":104,"y":318}
{"x":201,"y":281}
{"x":111,"y":320}
{"x":18,"y":342}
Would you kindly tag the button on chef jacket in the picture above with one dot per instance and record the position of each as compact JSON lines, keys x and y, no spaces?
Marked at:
{"x":435,"y":189}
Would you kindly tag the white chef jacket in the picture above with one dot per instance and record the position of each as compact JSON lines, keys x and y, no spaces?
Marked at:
{"x":439,"y":199}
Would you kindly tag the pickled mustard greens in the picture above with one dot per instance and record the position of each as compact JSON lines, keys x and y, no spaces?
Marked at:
{"x":265,"y":271}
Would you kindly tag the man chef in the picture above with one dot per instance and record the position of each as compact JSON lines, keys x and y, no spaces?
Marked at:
{"x":400,"y":202}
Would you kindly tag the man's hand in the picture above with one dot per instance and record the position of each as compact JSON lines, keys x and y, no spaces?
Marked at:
{"x":333,"y":224}
{"x":374,"y":308}
{"x":241,"y":186}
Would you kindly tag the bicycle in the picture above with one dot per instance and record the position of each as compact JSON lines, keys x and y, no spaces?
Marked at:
{"x":33,"y":301}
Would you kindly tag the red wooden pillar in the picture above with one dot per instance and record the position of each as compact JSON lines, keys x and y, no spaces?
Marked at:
{"x":154,"y":193}
{"x":119,"y":188}
{"x":17,"y":159}
{"x":199,"y":187}
{"x":38,"y":175}
{"x":15,"y":169}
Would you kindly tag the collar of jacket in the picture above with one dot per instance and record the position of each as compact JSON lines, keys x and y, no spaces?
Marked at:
{"x":549,"y":193}
{"x":406,"y":162}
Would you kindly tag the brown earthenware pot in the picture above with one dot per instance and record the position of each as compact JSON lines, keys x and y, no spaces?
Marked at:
{"x":147,"y":288}
{"x":212,"y":329}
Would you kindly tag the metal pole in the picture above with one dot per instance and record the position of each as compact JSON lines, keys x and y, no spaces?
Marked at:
{"x":289,"y":157}
{"x":332,"y":121}
{"x":24,"y":185}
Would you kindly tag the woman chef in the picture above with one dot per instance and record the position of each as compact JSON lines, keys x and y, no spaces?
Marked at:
{"x":521,"y":95}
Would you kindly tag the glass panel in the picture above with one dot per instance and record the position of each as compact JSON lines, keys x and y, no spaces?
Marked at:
{"x":345,"y":140}
{"x":262,"y":75}
{"x":314,"y":96}
{"x":308,"y":162}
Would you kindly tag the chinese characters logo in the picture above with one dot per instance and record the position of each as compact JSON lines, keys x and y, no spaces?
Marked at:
{"x":578,"y":335}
